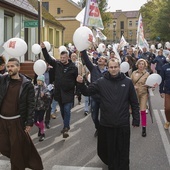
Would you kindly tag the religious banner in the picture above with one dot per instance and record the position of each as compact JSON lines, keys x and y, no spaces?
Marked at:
{"x":141,"y":41}
{"x":92,"y":17}
{"x":100,"y":35}
{"x":123,"y":42}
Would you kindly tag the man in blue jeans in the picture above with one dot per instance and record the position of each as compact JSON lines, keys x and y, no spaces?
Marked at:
{"x":96,"y":72}
{"x":64,"y":84}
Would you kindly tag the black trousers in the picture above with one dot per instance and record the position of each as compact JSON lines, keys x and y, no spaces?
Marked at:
{"x":48,"y":111}
{"x":113,"y":147}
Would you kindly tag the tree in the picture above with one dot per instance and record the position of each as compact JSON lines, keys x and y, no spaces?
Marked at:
{"x":107,"y":18}
{"x":156,"y":16}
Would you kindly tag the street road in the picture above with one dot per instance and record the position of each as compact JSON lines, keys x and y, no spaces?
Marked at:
{"x":78,"y":152}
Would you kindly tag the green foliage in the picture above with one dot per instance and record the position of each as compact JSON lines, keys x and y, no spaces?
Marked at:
{"x":107,"y":18}
{"x":155,"y":14}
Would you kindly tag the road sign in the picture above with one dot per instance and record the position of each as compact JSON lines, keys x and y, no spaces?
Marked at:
{"x":30,"y":23}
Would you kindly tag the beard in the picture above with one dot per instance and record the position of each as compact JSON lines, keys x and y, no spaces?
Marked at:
{"x":12,"y":73}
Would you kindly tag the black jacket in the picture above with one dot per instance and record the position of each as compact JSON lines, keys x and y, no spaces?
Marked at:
{"x":165,"y":84}
{"x":94,"y":70}
{"x":116,"y":95}
{"x":26,"y":98}
{"x":64,"y":82}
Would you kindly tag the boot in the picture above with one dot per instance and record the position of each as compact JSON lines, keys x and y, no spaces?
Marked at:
{"x":42,"y":137}
{"x":39,"y":132}
{"x":143,"y":131}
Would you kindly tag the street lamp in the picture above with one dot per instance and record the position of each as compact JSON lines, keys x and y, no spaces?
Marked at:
{"x":114,"y":32}
{"x":39,"y":23}
{"x":130,"y":34}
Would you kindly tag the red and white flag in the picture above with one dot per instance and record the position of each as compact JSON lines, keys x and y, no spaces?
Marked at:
{"x":92,"y":17}
{"x":141,"y":41}
{"x":123,"y":42}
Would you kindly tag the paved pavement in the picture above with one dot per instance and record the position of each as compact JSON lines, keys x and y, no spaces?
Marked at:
{"x":78,"y":152}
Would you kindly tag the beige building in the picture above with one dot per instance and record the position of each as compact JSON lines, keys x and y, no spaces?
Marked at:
{"x":65,"y":12}
{"x":124,"y":23}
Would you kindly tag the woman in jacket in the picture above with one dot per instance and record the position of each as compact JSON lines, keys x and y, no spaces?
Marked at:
{"x":139,"y":78}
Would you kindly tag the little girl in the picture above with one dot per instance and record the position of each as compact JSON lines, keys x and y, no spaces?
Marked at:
{"x":42,"y":98}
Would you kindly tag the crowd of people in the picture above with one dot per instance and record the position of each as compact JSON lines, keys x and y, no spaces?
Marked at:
{"x":110,"y":97}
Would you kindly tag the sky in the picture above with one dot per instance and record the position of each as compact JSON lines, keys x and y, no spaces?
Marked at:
{"x":124,"y":5}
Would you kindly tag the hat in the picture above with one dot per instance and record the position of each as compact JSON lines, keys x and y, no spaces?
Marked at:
{"x":95,"y":52}
{"x":41,"y":77}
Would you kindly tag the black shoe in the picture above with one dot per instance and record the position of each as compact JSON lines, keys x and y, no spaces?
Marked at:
{"x":39,"y":132}
{"x":143,"y":131}
{"x":86,"y":113}
{"x":65,"y":129}
{"x":47,"y":125}
{"x":96,"y":133}
{"x":65,"y":134}
{"x":42,"y":137}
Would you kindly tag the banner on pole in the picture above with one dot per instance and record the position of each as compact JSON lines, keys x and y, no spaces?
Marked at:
{"x":92,"y":17}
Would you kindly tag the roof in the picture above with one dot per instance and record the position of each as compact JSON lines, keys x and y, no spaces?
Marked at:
{"x":75,"y":4}
{"x":45,"y":14}
{"x":128,"y":14}
{"x":24,"y":4}
{"x":32,"y":6}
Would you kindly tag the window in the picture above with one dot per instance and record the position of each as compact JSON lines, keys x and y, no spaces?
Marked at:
{"x":58,"y":10}
{"x":8,"y":27}
{"x":46,"y":5}
{"x":130,"y":23}
{"x":136,"y":23}
{"x":121,"y":24}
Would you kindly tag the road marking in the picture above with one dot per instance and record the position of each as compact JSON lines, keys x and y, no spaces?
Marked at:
{"x":60,"y":167}
{"x":163,"y":115}
{"x":165,"y":140}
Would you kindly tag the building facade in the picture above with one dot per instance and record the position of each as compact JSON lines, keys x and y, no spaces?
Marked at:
{"x":14,"y":14}
{"x":65,"y":11}
{"x":124,"y":23}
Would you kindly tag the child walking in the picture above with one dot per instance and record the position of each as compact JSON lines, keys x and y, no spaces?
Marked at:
{"x":42,"y":98}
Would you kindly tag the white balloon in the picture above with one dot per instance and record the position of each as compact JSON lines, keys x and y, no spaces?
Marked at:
{"x":153,"y":79}
{"x":72,"y":48}
{"x":47,"y":45}
{"x":102,"y":47}
{"x":168,"y":45}
{"x":124,"y":67}
{"x":15,"y":47}
{"x":159,"y":45}
{"x":98,"y":50}
{"x":82,"y":38}
{"x":152,"y":46}
{"x":62,"y":48}
{"x":40,"y":67}
{"x":69,"y":45}
{"x":109,"y":46}
{"x":36,"y":49}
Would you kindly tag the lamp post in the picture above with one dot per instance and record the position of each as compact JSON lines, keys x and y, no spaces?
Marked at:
{"x":130,"y":34}
{"x":39,"y":23}
{"x":114,"y":32}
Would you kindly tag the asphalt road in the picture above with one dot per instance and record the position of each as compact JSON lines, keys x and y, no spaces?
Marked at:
{"x":78,"y":152}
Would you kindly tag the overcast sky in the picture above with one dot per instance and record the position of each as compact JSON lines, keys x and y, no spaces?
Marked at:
{"x":124,"y":5}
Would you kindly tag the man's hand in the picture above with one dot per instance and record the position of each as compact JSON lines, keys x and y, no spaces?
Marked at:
{"x":79,"y":79}
{"x":42,"y":45}
{"x":28,"y":129}
{"x":162,"y":95}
